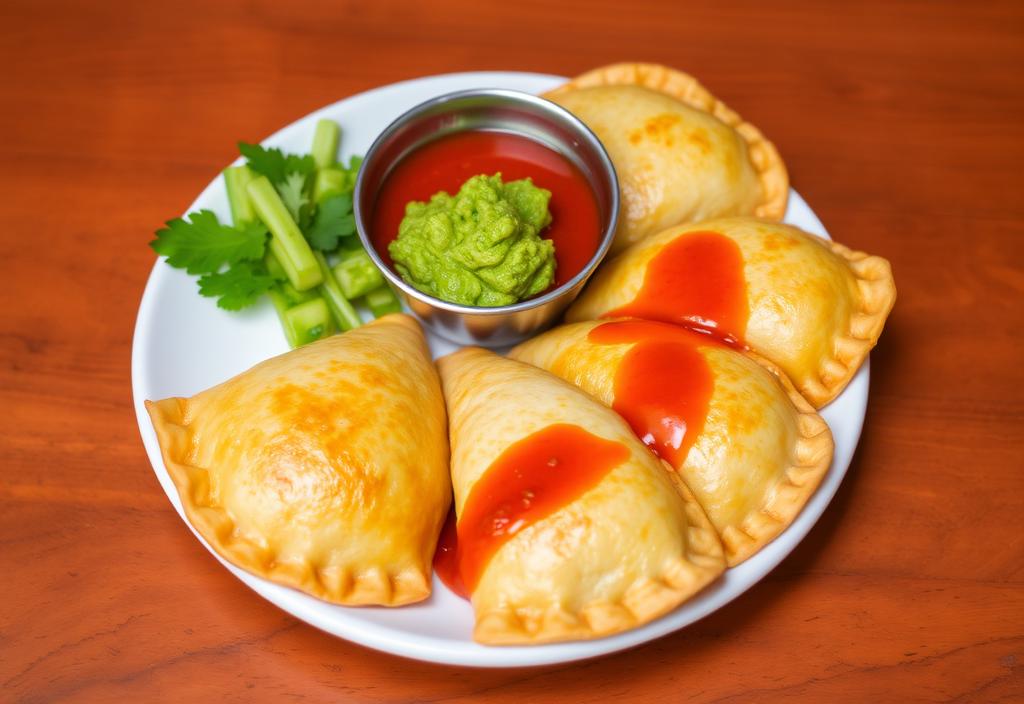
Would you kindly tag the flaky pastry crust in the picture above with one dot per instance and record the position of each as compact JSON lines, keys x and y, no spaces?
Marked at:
{"x":628,"y":550}
{"x":324,"y":469}
{"x":763,"y":448}
{"x":764,"y":157}
{"x":816,"y":308}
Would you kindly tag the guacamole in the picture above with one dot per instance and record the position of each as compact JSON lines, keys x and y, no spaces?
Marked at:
{"x":480,"y":247}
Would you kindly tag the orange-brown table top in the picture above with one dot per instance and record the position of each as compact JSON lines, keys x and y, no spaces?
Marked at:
{"x":901,"y":126}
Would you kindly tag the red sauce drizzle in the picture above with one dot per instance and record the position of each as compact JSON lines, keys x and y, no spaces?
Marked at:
{"x":696,"y":281}
{"x":446,"y":557}
{"x":531,"y":479}
{"x":446,"y":163}
{"x":663,"y":384}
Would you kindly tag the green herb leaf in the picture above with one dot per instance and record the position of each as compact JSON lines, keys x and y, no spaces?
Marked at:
{"x":201,"y":245}
{"x":299,"y":164}
{"x":293,"y":193}
{"x":333,"y":220}
{"x":275,"y":164}
{"x":291,"y":175}
{"x":238,"y":287}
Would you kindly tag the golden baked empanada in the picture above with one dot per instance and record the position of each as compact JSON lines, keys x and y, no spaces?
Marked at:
{"x":568,"y":527}
{"x":745,"y":442}
{"x":325,"y":469}
{"x":813,"y":307}
{"x":681,"y":154}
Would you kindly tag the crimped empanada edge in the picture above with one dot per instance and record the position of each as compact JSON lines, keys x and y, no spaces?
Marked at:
{"x":767,"y":161}
{"x":645,"y":600}
{"x":336,"y":585}
{"x":812,"y":457}
{"x":877,"y":296}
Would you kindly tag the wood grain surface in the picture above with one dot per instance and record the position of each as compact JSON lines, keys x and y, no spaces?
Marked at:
{"x":901,"y":123}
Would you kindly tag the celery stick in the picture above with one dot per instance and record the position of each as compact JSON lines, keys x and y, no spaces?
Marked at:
{"x":236,"y":178}
{"x":343,"y":311}
{"x":352,"y":172}
{"x":278,"y":252}
{"x":300,"y":326}
{"x":329,"y":182}
{"x":382,"y":301}
{"x":325,"y":143}
{"x":310,"y":321}
{"x":274,"y":267}
{"x":357,"y":273}
{"x":295,"y":296}
{"x":281,"y":305}
{"x":286,"y":241}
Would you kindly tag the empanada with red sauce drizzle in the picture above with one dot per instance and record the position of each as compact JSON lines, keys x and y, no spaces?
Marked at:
{"x":569,"y":528}
{"x":748,"y":446}
{"x":812,"y":306}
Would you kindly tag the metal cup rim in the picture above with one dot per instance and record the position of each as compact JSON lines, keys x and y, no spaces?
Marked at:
{"x":607,"y":235}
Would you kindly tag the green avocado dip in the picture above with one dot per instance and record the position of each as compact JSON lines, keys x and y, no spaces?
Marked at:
{"x":480,"y":247}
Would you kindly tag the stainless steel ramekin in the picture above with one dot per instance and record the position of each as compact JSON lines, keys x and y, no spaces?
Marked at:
{"x":495,"y":110}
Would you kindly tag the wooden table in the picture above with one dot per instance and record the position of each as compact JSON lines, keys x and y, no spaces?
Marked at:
{"x":902,"y":126}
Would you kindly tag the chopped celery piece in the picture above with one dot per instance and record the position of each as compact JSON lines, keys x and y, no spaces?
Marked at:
{"x":281,"y":305}
{"x":329,"y":182}
{"x":236,"y":178}
{"x":302,"y":321}
{"x":274,"y":267}
{"x":343,"y":311}
{"x":277,"y":251}
{"x":295,"y":296}
{"x":310,"y":321}
{"x":286,"y":241}
{"x":357,"y":273}
{"x":352,"y":172}
{"x":382,"y":301}
{"x":325,"y":143}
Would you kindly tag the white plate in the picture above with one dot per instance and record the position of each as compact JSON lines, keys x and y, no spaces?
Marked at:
{"x":184,"y":344}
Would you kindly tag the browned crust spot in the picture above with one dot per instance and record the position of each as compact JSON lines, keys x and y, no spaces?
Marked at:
{"x":771,"y":170}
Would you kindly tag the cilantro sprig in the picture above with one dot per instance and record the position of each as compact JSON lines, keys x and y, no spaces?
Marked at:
{"x":290,"y":174}
{"x":275,"y":164}
{"x":334,"y":220}
{"x":238,"y":287}
{"x":303,"y":203}
{"x":202,"y":246}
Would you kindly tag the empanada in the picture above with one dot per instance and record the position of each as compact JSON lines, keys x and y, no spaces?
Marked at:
{"x":681,"y":155}
{"x":745,"y":442}
{"x":813,"y":307}
{"x":568,"y":526}
{"x":324,"y":469}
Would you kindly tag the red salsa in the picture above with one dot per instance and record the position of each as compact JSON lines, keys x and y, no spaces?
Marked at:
{"x":446,"y":163}
{"x":663,"y":385}
{"x":446,"y":557}
{"x":528,"y":482}
{"x":696,"y":281}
